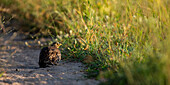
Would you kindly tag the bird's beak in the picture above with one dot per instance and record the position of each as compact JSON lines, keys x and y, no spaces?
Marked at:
{"x":60,"y":44}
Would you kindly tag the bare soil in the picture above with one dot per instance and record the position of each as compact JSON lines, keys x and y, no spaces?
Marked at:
{"x":19,"y":62}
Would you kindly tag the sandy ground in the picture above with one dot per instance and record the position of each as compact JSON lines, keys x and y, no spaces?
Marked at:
{"x":20,"y":66}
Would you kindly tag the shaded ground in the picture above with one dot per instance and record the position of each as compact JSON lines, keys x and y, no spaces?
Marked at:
{"x":20,"y":65}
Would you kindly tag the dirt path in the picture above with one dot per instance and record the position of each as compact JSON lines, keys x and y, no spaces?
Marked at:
{"x":20,"y":66}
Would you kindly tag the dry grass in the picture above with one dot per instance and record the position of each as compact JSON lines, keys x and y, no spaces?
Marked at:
{"x":123,"y":37}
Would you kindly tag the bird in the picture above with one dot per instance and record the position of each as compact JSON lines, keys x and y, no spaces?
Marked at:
{"x":50,"y":55}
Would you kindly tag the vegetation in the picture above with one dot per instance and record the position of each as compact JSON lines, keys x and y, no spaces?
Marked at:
{"x":121,"y":42}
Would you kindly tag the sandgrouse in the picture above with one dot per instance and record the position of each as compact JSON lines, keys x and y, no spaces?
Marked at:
{"x":49,"y":55}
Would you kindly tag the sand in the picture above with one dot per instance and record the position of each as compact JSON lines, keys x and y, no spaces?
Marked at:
{"x":19,"y":62}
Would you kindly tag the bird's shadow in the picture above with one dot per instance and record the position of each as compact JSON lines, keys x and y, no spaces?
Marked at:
{"x":23,"y":67}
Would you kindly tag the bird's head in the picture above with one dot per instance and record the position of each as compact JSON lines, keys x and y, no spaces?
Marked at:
{"x":56,"y":44}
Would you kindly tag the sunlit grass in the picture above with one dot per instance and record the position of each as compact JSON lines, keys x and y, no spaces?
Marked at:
{"x":126,"y":38}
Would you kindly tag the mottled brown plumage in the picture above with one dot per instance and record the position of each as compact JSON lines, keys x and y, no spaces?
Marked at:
{"x":49,"y":55}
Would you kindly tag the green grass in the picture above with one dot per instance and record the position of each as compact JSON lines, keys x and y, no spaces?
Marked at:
{"x":1,"y":74}
{"x":123,"y":42}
